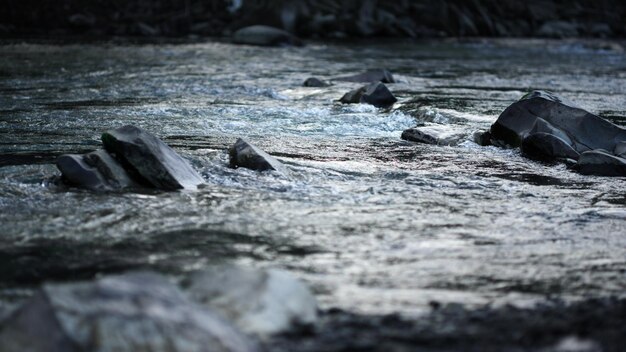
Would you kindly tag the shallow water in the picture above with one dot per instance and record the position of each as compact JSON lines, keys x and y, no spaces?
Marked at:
{"x":374,"y":223}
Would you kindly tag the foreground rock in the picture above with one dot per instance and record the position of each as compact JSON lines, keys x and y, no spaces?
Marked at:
{"x":95,"y":171}
{"x":128,"y":313}
{"x":150,"y":160}
{"x":376,"y":94}
{"x":263,"y":302}
{"x":383,"y":76}
{"x":244,"y":154}
{"x":435,"y":134}
{"x":549,"y":128}
{"x":265,"y":36}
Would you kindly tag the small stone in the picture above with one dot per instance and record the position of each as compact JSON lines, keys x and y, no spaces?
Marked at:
{"x":353,"y":96}
{"x":244,"y":154}
{"x":482,"y":138}
{"x":315,"y":82}
{"x":265,"y":36}
{"x":435,"y":134}
{"x":378,"y":94}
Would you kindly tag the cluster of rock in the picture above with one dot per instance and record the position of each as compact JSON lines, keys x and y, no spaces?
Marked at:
{"x":550,"y":128}
{"x":134,"y":158}
{"x":225,"y":309}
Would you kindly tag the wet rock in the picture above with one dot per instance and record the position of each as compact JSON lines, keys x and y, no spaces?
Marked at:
{"x":244,"y":154}
{"x":436,"y":134}
{"x":265,"y":36}
{"x":376,"y":94}
{"x":132,"y":312}
{"x":482,"y":138}
{"x":620,"y":149}
{"x":370,"y":76}
{"x":549,"y":147}
{"x":263,"y":302}
{"x":95,"y":171}
{"x":315,"y":82}
{"x":601,"y":163}
{"x":585,"y":130}
{"x":149,"y":159}
{"x":353,"y":96}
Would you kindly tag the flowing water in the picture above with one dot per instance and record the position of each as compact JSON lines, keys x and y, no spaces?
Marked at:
{"x":374,"y":223}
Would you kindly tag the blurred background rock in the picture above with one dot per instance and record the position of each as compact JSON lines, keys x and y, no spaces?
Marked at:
{"x":316,"y":18}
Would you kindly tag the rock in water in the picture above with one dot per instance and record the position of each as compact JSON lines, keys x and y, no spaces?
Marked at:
{"x":127,"y":313}
{"x":370,"y":76}
{"x":263,"y":302}
{"x":315,"y":82}
{"x":244,"y":154}
{"x":482,"y":138}
{"x":545,"y":146}
{"x":586,"y":131}
{"x":601,"y":163}
{"x":436,"y":134}
{"x":375,"y":94}
{"x":147,"y":157}
{"x":265,"y":36}
{"x":96,"y":171}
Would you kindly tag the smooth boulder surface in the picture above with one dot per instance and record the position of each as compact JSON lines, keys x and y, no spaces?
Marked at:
{"x":148,"y":159}
{"x":620,"y":149}
{"x":265,"y":36}
{"x":586,"y":131}
{"x":97,"y":170}
{"x":245,"y":154}
{"x":315,"y":82}
{"x":376,"y":94}
{"x":369,"y":76}
{"x":601,"y":163}
{"x":128,"y":313}
{"x":436,"y":134}
{"x":545,"y":146}
{"x":262,"y":302}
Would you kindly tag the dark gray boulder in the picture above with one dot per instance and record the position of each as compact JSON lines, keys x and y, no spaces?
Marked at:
{"x":548,"y":147}
{"x":482,"y":138}
{"x":95,"y":171}
{"x":435,"y":134}
{"x":265,"y":36}
{"x":259,"y":301}
{"x":369,"y":76}
{"x":586,"y":131}
{"x":127,"y":313}
{"x":148,"y":159}
{"x":376,"y":94}
{"x":620,"y":149}
{"x":245,"y":154}
{"x":601,"y":163}
{"x":315,"y":82}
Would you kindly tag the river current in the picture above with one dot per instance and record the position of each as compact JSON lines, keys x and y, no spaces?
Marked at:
{"x":373,"y":223}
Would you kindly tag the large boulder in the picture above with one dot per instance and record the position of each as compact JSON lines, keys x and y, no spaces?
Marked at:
{"x":265,"y":36}
{"x":95,"y":171}
{"x":435,"y":134}
{"x":601,"y":163}
{"x":150,"y":160}
{"x":262,"y":302}
{"x":375,"y":93}
{"x":586,"y":131}
{"x":127,"y":313}
{"x":245,"y":154}
{"x":549,"y":147}
{"x":379,"y":75}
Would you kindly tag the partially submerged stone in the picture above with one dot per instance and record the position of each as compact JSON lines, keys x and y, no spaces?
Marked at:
{"x":549,"y":147}
{"x":482,"y":138}
{"x":95,"y":171}
{"x":147,"y":158}
{"x":601,"y":163}
{"x":315,"y":82}
{"x":262,"y":302}
{"x":127,"y":313}
{"x":265,"y":36}
{"x":435,"y":134}
{"x":378,"y":75}
{"x":245,"y":154}
{"x":376,"y":94}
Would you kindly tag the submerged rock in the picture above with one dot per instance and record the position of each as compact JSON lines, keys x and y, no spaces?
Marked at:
{"x":379,"y":75}
{"x":436,"y":134}
{"x":265,"y":36}
{"x":263,"y":302}
{"x":315,"y":82}
{"x":96,"y":171}
{"x":482,"y":138}
{"x":376,"y":94}
{"x":127,"y":313}
{"x":244,"y":154}
{"x":601,"y":163}
{"x":149,"y":159}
